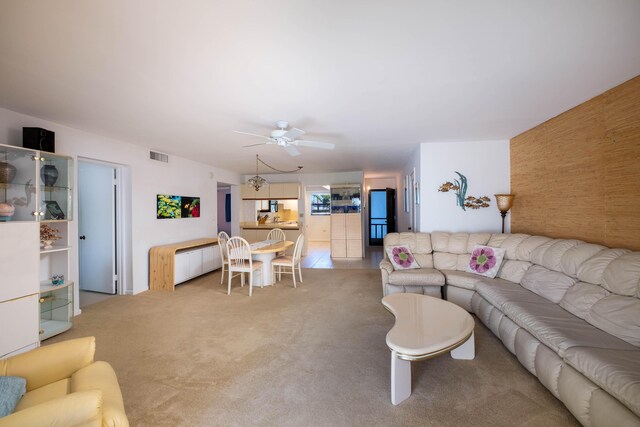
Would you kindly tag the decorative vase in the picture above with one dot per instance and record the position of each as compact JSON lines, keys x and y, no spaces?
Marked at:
{"x":6,"y":211}
{"x":7,"y":172}
{"x":49,"y":175}
{"x":48,"y":244}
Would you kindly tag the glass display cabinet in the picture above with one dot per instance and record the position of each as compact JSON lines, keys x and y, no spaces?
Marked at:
{"x":345,"y":199}
{"x":56,"y":309}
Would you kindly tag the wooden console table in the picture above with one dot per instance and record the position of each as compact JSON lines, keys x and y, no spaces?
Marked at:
{"x":162,"y":262}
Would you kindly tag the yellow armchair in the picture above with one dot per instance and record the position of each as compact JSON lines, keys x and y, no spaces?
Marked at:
{"x":65,"y":387}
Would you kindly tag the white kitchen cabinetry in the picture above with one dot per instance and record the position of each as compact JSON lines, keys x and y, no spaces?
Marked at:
{"x":273,"y":191}
{"x":247,"y":192}
{"x":191,"y":263}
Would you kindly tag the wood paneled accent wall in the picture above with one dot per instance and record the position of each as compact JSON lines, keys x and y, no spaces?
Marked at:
{"x":578,"y":174}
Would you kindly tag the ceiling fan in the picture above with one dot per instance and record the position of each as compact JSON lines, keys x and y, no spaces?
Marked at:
{"x":288,"y":139}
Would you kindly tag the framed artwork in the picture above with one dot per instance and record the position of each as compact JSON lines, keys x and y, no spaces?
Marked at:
{"x":171,"y":207}
{"x":53,"y":210}
{"x":406,"y":193}
{"x":190,"y":207}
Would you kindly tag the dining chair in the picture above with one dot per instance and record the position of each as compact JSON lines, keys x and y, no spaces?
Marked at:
{"x":223,"y":238}
{"x":277,"y":234}
{"x":239,"y":256}
{"x":289,"y":262}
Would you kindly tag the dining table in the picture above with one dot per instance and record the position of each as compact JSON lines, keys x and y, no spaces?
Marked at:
{"x":266,"y":251}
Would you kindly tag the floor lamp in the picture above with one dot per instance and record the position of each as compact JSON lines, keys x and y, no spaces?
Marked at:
{"x":504,"y":201}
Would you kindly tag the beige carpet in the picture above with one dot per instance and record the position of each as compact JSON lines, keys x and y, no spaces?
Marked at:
{"x":314,"y":355}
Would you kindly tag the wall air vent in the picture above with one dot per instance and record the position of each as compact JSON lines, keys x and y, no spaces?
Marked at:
{"x":160,"y":157}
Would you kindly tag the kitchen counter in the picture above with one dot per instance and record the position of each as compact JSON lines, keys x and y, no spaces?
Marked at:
{"x":270,"y":225}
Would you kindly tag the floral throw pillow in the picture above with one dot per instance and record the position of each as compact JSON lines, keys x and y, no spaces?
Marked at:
{"x":401,"y":258}
{"x":485,"y":261}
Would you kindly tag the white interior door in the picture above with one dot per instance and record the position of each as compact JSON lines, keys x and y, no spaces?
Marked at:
{"x":96,"y":227}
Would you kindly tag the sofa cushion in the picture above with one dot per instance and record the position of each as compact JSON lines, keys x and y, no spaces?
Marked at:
{"x":592,"y":270}
{"x":511,"y":243}
{"x":445,"y":261}
{"x":440,"y":241}
{"x":485,"y":261}
{"x":417,"y":277}
{"x":546,"y":283}
{"x":559,"y":329}
{"x":552,"y":257}
{"x":622,"y":275}
{"x":617,"y":315}
{"x":499,"y":291}
{"x":497,"y":239}
{"x":580,"y":297}
{"x":401,"y":257}
{"x":458,"y":243}
{"x":528,"y":245}
{"x":574,"y":257}
{"x":513,"y":270}
{"x":461,"y":279}
{"x":44,"y":394}
{"x":477,"y":239}
{"x":616,"y":371}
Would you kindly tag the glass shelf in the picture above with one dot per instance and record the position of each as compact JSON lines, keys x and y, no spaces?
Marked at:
{"x":345,"y":199}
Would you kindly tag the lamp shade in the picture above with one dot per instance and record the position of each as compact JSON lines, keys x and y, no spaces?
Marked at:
{"x":504,"y":201}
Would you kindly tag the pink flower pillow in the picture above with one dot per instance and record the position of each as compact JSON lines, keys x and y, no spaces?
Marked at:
{"x":401,"y":258}
{"x":485,"y":261}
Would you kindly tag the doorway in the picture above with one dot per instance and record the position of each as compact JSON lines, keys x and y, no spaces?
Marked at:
{"x":224,"y":208}
{"x":99,"y":223}
{"x":382,"y":214}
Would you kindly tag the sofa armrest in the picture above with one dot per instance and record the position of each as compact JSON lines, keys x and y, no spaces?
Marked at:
{"x":75,"y":409}
{"x":386,"y":268}
{"x":101,"y":376}
{"x":50,"y":363}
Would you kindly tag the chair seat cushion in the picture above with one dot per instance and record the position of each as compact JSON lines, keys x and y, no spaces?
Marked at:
{"x":43,"y":394}
{"x":616,"y":371}
{"x":417,"y":277}
{"x":282,"y":260}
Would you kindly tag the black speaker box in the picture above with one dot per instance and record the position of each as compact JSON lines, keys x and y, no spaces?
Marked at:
{"x":39,"y":139}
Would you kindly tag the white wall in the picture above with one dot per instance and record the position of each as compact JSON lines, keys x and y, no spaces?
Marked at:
{"x":486,"y":166}
{"x":318,"y":227}
{"x":404,"y":218}
{"x":146,"y":178}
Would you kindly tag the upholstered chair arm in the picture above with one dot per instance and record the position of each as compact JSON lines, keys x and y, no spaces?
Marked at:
{"x":75,"y":409}
{"x":50,"y":363}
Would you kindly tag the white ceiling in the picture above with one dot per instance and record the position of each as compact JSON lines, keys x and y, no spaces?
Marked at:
{"x":376,"y":78}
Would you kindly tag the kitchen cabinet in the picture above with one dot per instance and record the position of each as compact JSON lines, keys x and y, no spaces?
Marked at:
{"x":247,"y":192}
{"x":273,"y":191}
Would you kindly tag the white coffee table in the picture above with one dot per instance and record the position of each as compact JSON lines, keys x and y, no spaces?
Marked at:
{"x":425,"y":327}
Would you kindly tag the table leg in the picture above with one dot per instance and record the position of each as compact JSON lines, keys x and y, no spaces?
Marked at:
{"x":266,"y":259}
{"x":400,"y":378}
{"x":466,"y":351}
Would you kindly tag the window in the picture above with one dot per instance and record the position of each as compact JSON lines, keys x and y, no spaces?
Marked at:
{"x":320,"y":204}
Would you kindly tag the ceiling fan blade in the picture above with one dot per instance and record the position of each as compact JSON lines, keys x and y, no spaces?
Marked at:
{"x":293,"y":151}
{"x":315,"y":144}
{"x":253,"y":134}
{"x":254,"y":145}
{"x":293,"y":133}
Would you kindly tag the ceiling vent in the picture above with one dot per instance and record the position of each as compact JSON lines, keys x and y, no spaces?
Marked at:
{"x":160,"y":157}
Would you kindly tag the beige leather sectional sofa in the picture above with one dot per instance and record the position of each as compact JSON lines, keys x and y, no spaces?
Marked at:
{"x":568,"y":310}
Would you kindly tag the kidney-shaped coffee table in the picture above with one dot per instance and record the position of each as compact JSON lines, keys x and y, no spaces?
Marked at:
{"x":425,"y":327}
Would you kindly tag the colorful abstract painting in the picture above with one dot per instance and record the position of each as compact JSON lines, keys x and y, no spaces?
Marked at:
{"x":170,"y":207}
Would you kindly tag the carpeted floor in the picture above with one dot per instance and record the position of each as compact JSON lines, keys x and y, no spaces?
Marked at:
{"x":315,"y":355}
